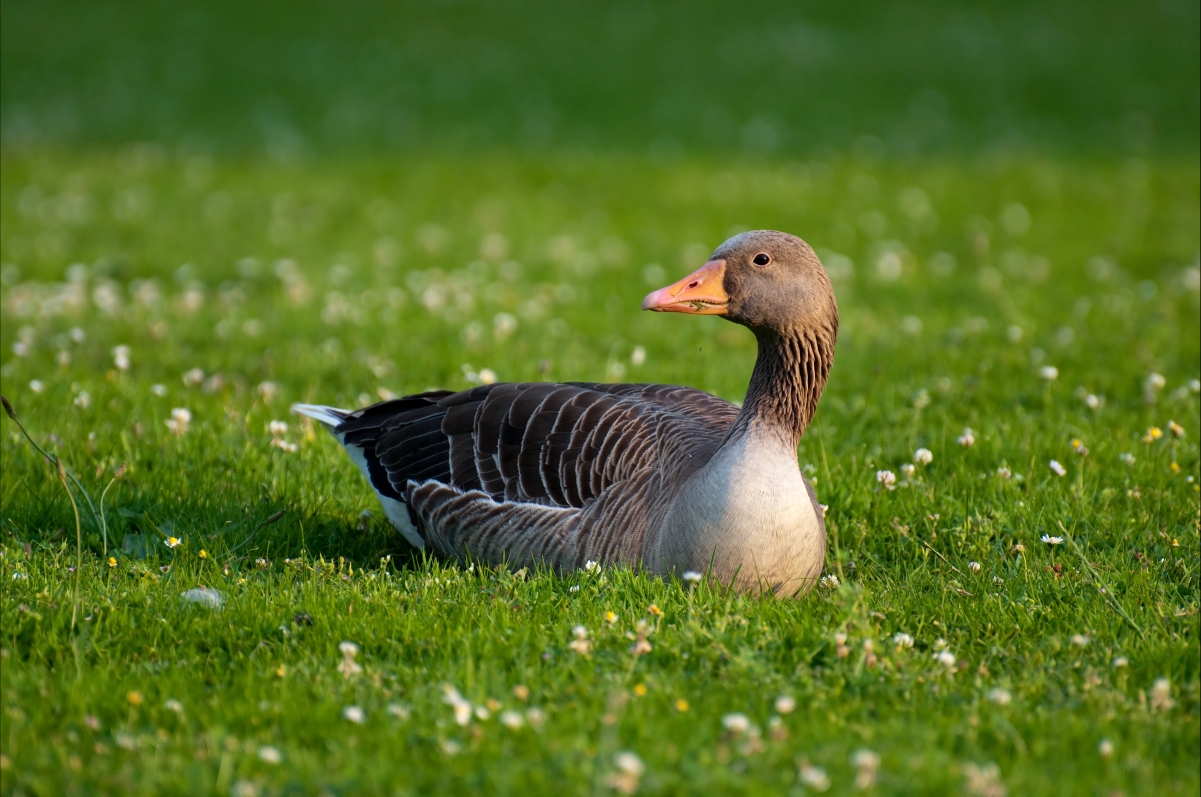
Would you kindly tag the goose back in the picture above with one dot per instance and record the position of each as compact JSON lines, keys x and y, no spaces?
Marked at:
{"x":555,"y":445}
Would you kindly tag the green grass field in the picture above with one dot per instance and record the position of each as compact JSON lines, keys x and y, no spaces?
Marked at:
{"x":210,"y":210}
{"x":240,"y":287}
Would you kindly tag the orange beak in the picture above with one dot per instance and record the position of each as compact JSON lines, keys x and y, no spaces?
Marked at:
{"x":700,"y":293}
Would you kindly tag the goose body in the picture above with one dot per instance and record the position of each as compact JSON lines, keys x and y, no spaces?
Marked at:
{"x":669,"y":478}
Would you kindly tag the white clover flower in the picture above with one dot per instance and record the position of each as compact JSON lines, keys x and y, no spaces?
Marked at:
{"x":638,"y":356}
{"x":83,"y":400}
{"x":278,"y":428}
{"x":1000,"y":696}
{"x":574,"y":588}
{"x":1155,"y":382}
{"x":973,"y":566}
{"x":1120,"y":662}
{"x":923,"y":456}
{"x":121,"y":358}
{"x":354,"y":714}
{"x":1059,"y":469}
{"x":36,"y":385}
{"x":580,"y":644}
{"x":535,"y":717}
{"x":512,"y":719}
{"x":1004,"y":473}
{"x":1049,"y":540}
{"x":398,"y":710}
{"x":902,"y":640}
{"x":592,"y":566}
{"x":629,"y":763}
{"x":270,"y":754}
{"x":348,"y":649}
{"x":488,"y":376}
{"x":158,"y":390}
{"x":867,"y":765}
{"x":830,"y":581}
{"x":1161,"y":695}
{"x":1049,"y":372}
{"x":267,"y":390}
{"x":736,"y":723}
{"x":967,"y":439}
{"x":887,"y":479}
{"x":173,"y":705}
{"x":813,"y":777}
{"x":1105,"y":748}
{"x":785,"y":704}
{"x":946,"y":658}
{"x":1127,"y":458}
{"x":691,"y":576}
{"x":193,"y":377}
{"x":908,"y":469}
{"x":629,"y":771}
{"x":181,"y":419}
{"x":1080,"y":640}
{"x":1093,"y":402}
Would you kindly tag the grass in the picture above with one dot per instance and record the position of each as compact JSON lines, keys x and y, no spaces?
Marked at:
{"x":958,"y":280}
{"x":922,"y":76}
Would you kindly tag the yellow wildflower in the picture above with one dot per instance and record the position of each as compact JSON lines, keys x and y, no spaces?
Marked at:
{"x":112,"y":561}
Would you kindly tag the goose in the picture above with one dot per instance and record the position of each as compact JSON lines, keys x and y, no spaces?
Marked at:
{"x":670,"y":479}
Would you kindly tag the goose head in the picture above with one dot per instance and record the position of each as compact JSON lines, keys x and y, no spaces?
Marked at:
{"x":768,"y":281}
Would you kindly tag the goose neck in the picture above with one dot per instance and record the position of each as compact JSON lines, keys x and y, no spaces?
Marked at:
{"x":787,"y":382}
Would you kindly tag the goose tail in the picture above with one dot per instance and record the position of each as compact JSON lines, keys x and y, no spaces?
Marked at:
{"x":329,"y":417}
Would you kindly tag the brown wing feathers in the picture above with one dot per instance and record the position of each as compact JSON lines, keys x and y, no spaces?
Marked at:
{"x":556,"y":445}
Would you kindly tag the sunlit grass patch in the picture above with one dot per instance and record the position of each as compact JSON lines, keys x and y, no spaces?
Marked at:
{"x":1007,"y":453}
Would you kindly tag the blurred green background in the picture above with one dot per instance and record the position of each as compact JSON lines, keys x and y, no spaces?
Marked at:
{"x":661,"y":78}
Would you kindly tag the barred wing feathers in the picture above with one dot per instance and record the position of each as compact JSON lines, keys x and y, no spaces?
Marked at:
{"x":557,"y":472}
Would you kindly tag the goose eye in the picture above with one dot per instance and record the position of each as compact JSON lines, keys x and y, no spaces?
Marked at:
{"x":761,"y":259}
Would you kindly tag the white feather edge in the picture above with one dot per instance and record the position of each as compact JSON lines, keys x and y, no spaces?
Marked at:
{"x":396,"y":511}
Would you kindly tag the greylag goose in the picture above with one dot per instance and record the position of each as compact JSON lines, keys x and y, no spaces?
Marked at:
{"x":668,"y":478}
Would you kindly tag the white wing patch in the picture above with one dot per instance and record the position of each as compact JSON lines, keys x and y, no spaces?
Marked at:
{"x":397,"y":512}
